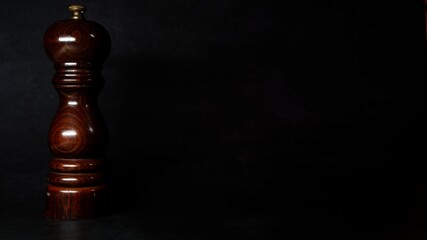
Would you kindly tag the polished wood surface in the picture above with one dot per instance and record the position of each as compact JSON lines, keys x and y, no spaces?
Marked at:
{"x":78,"y":135}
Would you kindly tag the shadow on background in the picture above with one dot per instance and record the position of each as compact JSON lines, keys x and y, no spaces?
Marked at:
{"x":314,"y":137}
{"x":190,"y":162}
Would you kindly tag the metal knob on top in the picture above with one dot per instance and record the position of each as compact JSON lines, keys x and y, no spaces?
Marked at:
{"x":77,"y":10}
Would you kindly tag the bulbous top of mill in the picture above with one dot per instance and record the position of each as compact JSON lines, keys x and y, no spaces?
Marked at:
{"x":77,"y":39}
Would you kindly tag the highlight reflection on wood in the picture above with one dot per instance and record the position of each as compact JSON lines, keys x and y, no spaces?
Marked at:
{"x":78,"y":135}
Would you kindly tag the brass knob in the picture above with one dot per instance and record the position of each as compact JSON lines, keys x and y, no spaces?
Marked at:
{"x":77,"y":11}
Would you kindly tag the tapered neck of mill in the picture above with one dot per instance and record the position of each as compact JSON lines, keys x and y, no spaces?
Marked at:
{"x":78,"y":129}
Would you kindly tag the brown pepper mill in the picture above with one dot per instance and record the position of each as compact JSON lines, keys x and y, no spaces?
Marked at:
{"x":78,"y":136}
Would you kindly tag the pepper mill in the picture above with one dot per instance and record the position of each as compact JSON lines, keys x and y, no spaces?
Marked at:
{"x":78,"y":136}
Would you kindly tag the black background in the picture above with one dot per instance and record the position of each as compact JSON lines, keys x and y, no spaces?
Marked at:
{"x":231,"y":119}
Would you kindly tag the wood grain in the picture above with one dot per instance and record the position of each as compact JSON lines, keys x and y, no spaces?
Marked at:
{"x":78,"y":135}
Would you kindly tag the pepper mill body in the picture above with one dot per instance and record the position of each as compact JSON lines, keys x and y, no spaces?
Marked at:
{"x":78,"y":136}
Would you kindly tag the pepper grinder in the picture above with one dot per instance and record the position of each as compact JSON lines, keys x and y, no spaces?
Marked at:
{"x":78,"y":136}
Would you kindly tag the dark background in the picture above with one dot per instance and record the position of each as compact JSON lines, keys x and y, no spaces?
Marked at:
{"x":231,"y":120}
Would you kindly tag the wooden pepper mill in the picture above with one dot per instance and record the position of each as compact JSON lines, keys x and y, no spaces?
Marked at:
{"x":78,"y":136}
